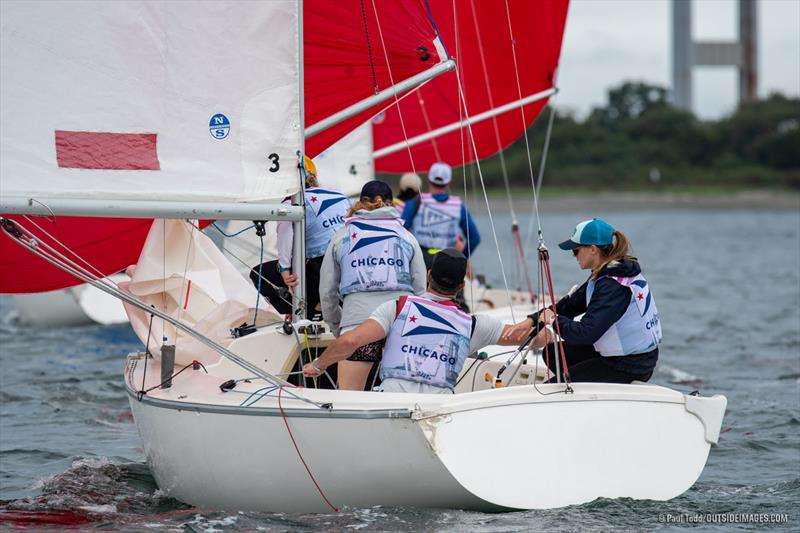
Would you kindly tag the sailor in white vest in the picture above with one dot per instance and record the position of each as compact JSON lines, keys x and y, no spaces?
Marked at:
{"x":617,"y":338}
{"x":439,"y":220}
{"x":427,"y":337}
{"x":325,"y":213}
{"x":372,"y":259}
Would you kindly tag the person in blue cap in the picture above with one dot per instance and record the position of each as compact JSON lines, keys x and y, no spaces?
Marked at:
{"x":371,"y":260}
{"x":440,"y":220}
{"x":616,"y":340}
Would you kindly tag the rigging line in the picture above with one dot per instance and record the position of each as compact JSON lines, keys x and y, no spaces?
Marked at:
{"x":522,"y":114}
{"x":540,"y":179}
{"x":300,"y":455}
{"x":258,"y":288}
{"x":47,"y":253}
{"x":369,"y":48}
{"x":251,"y":226}
{"x":496,"y":128}
{"x":185,"y":271}
{"x":427,"y":120}
{"x":464,"y":168}
{"x":391,"y":80}
{"x":486,"y":199}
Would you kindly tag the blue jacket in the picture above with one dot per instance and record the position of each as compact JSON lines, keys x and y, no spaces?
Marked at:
{"x":467,"y":225}
{"x":609,"y":302}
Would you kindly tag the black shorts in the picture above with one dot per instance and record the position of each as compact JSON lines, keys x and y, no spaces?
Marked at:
{"x":369,"y":353}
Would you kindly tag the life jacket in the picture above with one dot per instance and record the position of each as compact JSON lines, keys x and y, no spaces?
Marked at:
{"x":375,"y":255}
{"x":638,"y":330}
{"x":436,"y":224}
{"x":428,"y":342}
{"x":325,"y":212}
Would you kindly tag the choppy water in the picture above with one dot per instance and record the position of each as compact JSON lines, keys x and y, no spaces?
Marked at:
{"x":728,"y":290}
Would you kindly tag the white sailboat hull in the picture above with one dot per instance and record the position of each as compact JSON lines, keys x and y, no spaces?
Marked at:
{"x":77,"y":306}
{"x":500,"y":449}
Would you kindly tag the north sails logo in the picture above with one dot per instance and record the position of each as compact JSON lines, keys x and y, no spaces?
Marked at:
{"x":423,"y":321}
{"x":366,"y":241}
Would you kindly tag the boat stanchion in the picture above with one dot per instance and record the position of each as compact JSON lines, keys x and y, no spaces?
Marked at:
{"x":167,"y":365}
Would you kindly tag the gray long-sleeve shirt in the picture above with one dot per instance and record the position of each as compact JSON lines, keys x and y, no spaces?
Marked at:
{"x":358,"y":306}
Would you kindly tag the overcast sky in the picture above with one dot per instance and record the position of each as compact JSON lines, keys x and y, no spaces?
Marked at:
{"x":608,"y":41}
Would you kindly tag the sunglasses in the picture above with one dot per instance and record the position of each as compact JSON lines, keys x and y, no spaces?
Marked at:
{"x":576,"y":250}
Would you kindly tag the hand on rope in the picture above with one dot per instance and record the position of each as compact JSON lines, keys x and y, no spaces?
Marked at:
{"x":291,"y":280}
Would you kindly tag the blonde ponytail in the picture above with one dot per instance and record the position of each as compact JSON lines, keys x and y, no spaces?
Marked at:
{"x":369,"y":204}
{"x":618,"y":250}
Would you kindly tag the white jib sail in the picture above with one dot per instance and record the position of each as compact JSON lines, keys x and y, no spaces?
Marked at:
{"x":143,"y":100}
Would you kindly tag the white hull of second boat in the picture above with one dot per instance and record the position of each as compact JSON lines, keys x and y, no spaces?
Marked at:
{"x":77,"y":306}
{"x":501,"y":449}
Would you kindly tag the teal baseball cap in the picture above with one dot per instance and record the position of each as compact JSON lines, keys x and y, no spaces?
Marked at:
{"x":595,"y":231}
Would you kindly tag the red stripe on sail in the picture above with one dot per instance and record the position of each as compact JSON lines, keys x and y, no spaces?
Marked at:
{"x":107,"y":151}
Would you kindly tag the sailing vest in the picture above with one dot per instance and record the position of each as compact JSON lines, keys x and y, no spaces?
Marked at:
{"x":325,"y":212}
{"x":428,"y":343}
{"x":638,"y":330}
{"x":436,"y":224}
{"x":375,"y":255}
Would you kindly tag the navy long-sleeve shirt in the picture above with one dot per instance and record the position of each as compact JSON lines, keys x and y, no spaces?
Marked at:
{"x":466,"y":224}
{"x":609,"y":302}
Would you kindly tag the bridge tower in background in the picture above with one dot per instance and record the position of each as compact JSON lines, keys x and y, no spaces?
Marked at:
{"x":687,"y":53}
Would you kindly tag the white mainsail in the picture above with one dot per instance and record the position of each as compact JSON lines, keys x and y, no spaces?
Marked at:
{"x":194,"y":101}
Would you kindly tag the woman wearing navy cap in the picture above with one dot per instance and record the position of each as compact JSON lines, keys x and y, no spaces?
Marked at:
{"x":616,"y":340}
{"x":371,"y":260}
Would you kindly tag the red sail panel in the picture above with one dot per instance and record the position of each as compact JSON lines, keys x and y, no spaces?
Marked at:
{"x":538,"y":28}
{"x":108,"y":244}
{"x":345,"y":60}
{"x":107,"y":150}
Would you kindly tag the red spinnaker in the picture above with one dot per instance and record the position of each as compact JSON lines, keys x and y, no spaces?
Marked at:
{"x":538,"y":28}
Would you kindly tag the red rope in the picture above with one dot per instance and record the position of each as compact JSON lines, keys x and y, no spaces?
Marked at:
{"x":188,"y":288}
{"x":545,"y":258}
{"x":544,"y":296}
{"x":300,"y":455}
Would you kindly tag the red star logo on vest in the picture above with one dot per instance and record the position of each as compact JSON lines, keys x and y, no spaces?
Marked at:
{"x":640,"y":296}
{"x":313,"y":199}
{"x":412,"y":318}
{"x":354,"y":235}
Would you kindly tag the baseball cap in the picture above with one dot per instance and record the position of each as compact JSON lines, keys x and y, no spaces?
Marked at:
{"x":594,"y":231}
{"x":449,"y":268}
{"x":440,"y":173}
{"x":409,"y":180}
{"x":374,"y":188}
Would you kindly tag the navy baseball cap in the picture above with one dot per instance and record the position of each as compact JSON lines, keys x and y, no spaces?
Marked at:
{"x":374,"y":188}
{"x":449,"y":268}
{"x":595,"y":231}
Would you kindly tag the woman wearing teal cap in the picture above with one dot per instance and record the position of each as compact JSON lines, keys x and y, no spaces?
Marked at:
{"x":617,"y":338}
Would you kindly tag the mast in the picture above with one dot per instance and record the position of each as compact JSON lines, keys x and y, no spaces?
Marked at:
{"x":299,"y":244}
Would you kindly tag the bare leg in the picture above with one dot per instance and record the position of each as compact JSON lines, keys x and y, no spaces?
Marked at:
{"x":353,"y":374}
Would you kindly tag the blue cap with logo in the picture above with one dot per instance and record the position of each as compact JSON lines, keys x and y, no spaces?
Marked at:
{"x":594,"y":231}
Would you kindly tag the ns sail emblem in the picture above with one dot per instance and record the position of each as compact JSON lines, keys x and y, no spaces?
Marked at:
{"x":219,"y":126}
